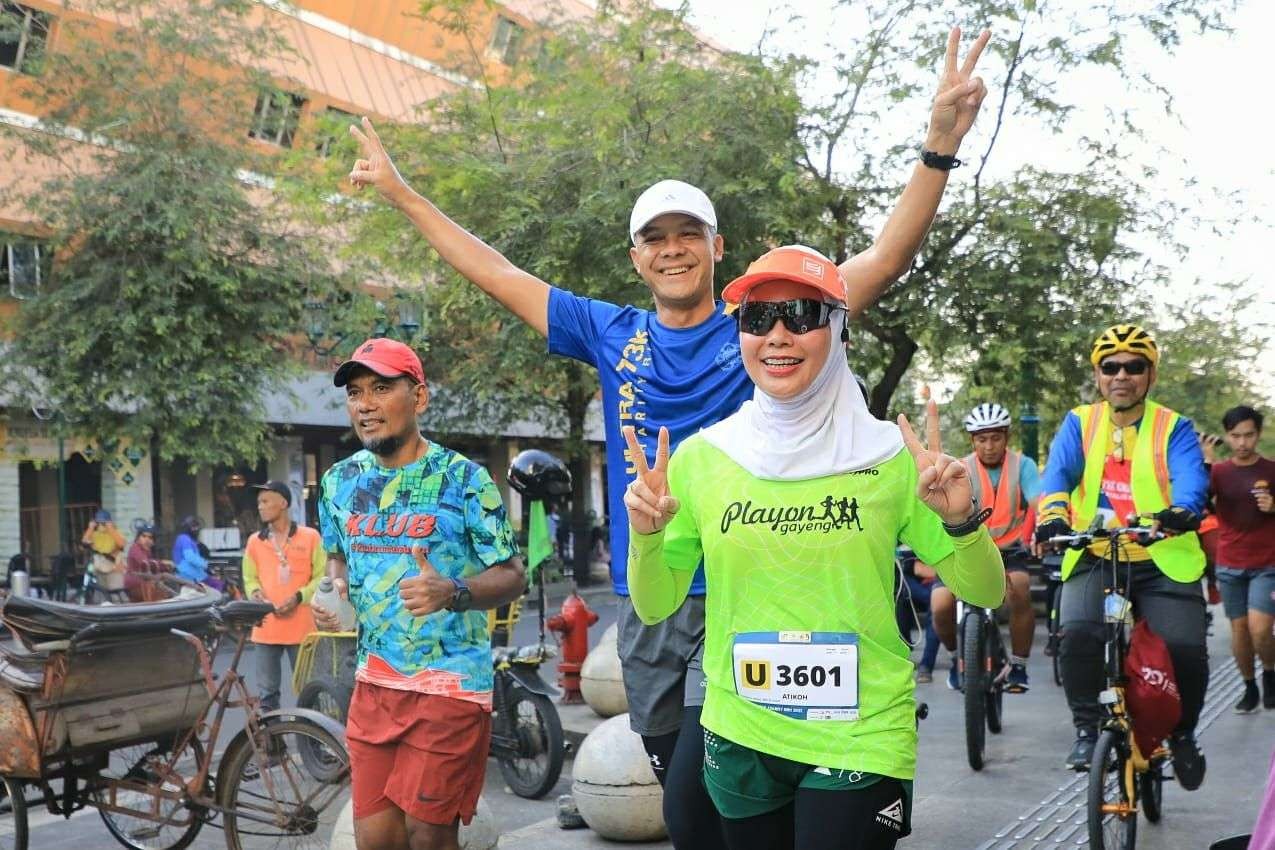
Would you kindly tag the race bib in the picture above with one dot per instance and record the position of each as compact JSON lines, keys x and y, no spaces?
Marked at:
{"x":804,"y":675}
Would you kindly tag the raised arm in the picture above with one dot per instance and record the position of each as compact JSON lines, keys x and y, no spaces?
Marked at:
{"x":523,"y":294}
{"x":960,"y":94}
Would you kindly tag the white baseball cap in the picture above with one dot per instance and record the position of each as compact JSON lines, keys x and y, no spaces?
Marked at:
{"x":670,"y":196}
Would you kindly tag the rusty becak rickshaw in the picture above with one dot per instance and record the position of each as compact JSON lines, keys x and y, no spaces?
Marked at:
{"x":118,"y":708}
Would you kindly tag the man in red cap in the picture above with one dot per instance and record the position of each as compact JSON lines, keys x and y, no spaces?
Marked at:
{"x":420,"y":544}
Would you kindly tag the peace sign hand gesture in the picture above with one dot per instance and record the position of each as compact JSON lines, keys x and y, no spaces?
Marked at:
{"x":959,"y":96}
{"x":647,"y":498}
{"x":943,"y":483}
{"x":375,"y":168}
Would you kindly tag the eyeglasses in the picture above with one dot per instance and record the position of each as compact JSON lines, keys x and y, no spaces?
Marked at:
{"x":801,"y":315}
{"x":1111,"y":368}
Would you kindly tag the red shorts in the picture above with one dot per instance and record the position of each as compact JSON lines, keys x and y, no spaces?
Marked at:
{"x":423,"y":753}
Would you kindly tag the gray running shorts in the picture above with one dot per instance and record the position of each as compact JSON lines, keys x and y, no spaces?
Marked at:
{"x":653,"y":661}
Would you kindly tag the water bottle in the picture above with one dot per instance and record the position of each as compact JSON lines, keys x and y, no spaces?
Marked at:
{"x":19,"y":583}
{"x":327,"y":598}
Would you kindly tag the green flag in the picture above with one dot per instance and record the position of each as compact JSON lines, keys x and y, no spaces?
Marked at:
{"x":539,"y":546}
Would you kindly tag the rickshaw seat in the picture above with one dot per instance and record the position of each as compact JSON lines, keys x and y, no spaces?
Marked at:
{"x":42,"y":622}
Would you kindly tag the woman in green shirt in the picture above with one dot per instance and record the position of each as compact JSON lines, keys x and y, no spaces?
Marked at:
{"x":795,"y":504}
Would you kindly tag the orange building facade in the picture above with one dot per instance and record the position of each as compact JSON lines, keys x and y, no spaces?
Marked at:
{"x":348,"y":57}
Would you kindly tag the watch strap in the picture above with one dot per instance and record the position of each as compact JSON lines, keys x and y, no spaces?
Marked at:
{"x":970,"y":525}
{"x":942,"y":162}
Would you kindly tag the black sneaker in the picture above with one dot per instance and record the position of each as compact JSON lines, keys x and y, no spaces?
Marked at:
{"x":1249,"y":703}
{"x":1082,"y":751}
{"x":1188,"y":761}
{"x":1017,"y":683}
{"x":1268,"y":688}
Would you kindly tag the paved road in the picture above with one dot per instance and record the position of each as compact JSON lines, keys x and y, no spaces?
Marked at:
{"x":1024,"y":798}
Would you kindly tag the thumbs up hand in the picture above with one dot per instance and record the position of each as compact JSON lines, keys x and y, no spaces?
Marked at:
{"x":428,"y":592}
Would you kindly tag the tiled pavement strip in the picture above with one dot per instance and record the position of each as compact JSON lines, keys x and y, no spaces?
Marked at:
{"x":1060,"y":819}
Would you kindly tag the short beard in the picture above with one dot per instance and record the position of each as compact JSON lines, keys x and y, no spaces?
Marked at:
{"x":385,"y":446}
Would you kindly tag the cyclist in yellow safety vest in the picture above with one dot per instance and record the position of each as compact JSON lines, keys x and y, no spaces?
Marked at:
{"x":1124,"y":456}
{"x":1008,"y":483}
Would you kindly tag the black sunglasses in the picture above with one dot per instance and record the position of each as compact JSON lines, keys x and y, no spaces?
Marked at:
{"x":1111,"y":368}
{"x":800,"y":315}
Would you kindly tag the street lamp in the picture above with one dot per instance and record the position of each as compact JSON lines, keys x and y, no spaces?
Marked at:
{"x":403,"y":310}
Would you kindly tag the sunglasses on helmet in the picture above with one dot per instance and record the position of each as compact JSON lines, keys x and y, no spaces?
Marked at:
{"x":1111,"y":368}
{"x":800,"y":315}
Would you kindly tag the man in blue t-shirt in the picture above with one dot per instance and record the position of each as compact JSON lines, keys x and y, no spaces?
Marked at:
{"x":678,"y":367}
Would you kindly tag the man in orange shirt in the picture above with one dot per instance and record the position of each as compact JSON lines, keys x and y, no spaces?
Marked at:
{"x":282,"y":565}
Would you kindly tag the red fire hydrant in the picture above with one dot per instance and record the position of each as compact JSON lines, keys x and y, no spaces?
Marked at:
{"x":572,"y":624}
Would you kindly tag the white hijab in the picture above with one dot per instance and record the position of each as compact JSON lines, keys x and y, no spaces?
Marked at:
{"x":824,"y":430}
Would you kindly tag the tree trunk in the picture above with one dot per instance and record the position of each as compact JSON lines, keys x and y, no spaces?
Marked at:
{"x":902,"y":349}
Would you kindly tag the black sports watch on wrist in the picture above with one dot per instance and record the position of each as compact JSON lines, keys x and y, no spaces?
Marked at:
{"x":970,"y":525}
{"x":943,"y":162}
{"x":462,"y":597}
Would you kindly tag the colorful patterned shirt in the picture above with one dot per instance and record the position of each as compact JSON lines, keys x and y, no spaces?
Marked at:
{"x":373,"y":516}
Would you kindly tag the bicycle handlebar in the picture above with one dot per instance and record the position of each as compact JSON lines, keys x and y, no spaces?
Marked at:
{"x":1144,"y":535}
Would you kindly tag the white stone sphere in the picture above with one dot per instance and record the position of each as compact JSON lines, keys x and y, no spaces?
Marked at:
{"x":601,"y":683}
{"x":613,"y":786}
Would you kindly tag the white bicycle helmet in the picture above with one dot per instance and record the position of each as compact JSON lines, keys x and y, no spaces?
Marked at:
{"x":986,"y":417}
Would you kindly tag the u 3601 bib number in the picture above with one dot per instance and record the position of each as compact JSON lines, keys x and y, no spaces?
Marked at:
{"x":807,"y":675}
{"x":803,"y":675}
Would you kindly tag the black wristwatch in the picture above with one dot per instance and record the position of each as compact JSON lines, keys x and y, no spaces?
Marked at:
{"x":943,"y":162}
{"x":970,"y":525}
{"x":462,"y":597}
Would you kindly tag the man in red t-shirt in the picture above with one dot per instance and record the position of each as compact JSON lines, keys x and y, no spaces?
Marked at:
{"x":1241,"y":489}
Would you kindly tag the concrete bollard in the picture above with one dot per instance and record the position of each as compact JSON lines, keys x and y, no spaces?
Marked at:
{"x":481,"y":834}
{"x":613,"y":785}
{"x":600,"y":680}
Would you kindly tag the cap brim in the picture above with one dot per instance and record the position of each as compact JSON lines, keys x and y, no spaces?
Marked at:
{"x":739,"y":287}
{"x":691,"y":213}
{"x":342,"y":376}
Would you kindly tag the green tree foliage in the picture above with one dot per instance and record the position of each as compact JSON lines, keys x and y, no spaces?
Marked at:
{"x":179,"y":278}
{"x":1019,"y":269}
{"x":1211,"y":350}
{"x":546,"y":166}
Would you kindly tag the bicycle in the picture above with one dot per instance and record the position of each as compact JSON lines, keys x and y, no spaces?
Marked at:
{"x":984,"y":665}
{"x":1120,"y":776}
{"x":138,"y":744}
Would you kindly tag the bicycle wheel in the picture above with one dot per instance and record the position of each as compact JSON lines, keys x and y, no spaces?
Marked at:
{"x":1113,"y":819}
{"x":1151,"y":792}
{"x":270,"y":796}
{"x":167,"y":824}
{"x":1054,"y":645}
{"x":533,"y":722}
{"x":995,"y":683}
{"x":327,"y":697}
{"x":973,"y":656}
{"x":13,"y":815}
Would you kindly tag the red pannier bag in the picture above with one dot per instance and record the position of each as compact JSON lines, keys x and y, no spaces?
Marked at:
{"x":1152,"y":694}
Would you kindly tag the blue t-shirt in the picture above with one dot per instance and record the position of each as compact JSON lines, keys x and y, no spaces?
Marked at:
{"x":683,"y":379}
{"x":373,"y":516}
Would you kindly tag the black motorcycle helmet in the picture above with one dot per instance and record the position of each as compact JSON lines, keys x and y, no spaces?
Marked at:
{"x":538,"y":475}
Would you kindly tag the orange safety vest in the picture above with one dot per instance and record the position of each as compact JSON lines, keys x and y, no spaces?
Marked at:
{"x":300,"y":550}
{"x":1009,"y":514}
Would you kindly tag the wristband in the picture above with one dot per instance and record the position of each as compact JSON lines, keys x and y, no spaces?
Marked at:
{"x":970,"y":525}
{"x":942,"y":162}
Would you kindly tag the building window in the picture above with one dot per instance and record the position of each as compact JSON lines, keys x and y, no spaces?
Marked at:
{"x":334,"y":125}
{"x":505,"y":40}
{"x":276,"y":117}
{"x":24,"y":34}
{"x":23,"y":266}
